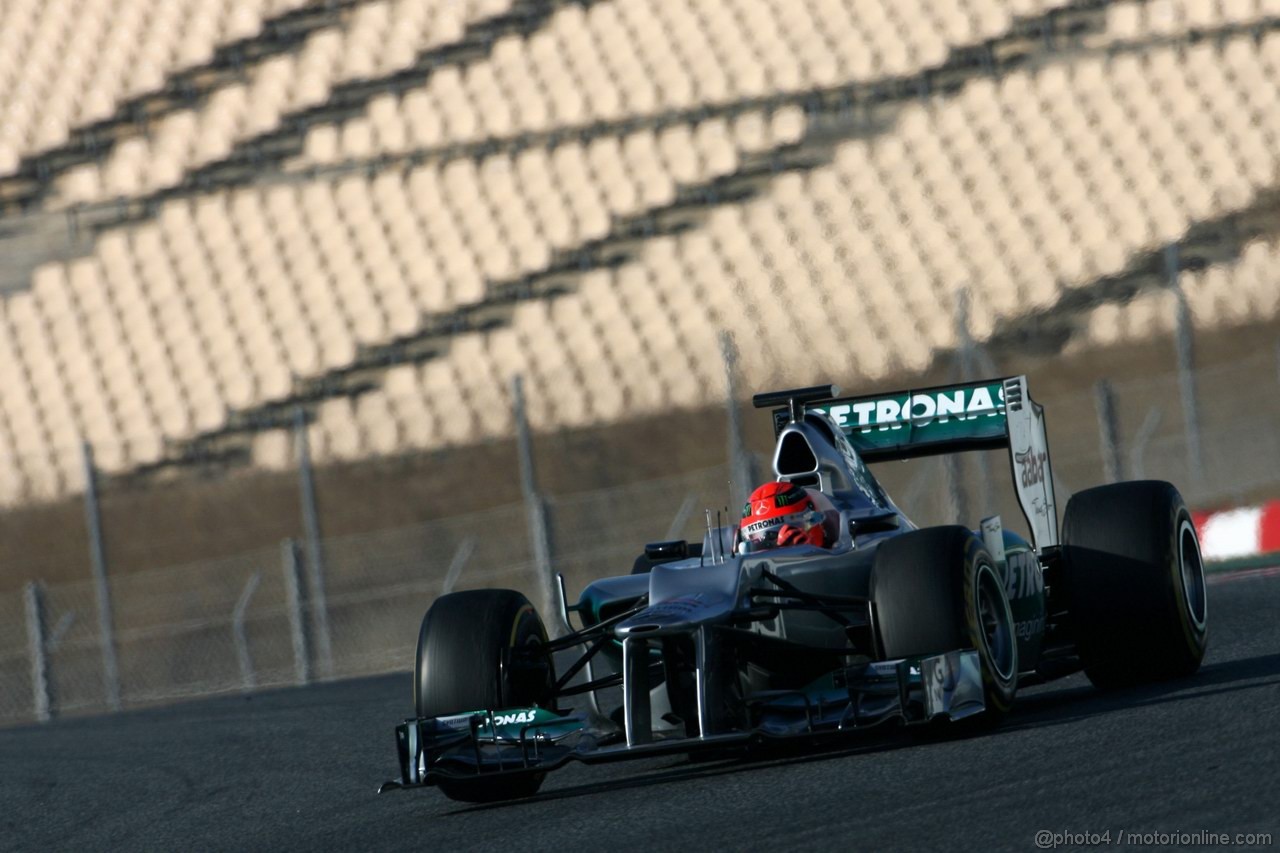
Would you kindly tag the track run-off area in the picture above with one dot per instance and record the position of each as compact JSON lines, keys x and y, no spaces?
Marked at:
{"x":297,"y":769}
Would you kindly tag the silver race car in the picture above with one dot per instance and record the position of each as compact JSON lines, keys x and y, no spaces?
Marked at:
{"x":722,"y":644}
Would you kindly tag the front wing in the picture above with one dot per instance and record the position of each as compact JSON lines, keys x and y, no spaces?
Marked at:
{"x":855,"y":698}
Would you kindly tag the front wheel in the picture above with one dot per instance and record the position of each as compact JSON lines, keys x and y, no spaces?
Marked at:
{"x":477,"y":651}
{"x":937,"y":590}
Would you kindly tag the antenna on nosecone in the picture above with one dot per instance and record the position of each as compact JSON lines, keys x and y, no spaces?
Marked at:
{"x":719,"y":536}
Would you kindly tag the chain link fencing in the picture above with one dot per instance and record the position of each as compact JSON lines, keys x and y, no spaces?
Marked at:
{"x":278,"y":616}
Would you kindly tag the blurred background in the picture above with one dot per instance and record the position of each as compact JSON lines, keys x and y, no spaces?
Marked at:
{"x":313,"y":310}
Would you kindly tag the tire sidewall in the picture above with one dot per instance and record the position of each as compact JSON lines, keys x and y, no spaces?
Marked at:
{"x":526,"y":630}
{"x":1193,"y":631}
{"x":979,"y":569}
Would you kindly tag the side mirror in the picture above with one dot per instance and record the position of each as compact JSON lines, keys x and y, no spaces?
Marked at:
{"x":665,"y":552}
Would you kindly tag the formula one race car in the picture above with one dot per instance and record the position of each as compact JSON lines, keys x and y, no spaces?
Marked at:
{"x":722,"y":644}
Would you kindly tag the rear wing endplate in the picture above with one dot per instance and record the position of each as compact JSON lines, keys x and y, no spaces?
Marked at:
{"x":984,"y":415}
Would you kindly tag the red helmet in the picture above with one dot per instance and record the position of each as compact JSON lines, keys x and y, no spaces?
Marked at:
{"x":781,"y":514}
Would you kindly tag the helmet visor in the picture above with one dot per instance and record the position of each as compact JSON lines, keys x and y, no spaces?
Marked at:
{"x":763,"y":535}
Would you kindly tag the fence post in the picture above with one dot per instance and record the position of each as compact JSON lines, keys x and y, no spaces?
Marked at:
{"x":238,"y":633}
{"x":98,"y":563}
{"x":293,"y":605}
{"x":316,"y":598}
{"x":1138,"y":453}
{"x":1185,"y":336}
{"x":953,"y":464}
{"x":682,"y":516}
{"x":33,"y":598}
{"x":742,"y":474}
{"x":535,"y":507}
{"x":1108,"y":431}
{"x":460,"y":557}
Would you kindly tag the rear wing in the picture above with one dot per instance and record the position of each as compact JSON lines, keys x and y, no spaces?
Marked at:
{"x":983,"y":415}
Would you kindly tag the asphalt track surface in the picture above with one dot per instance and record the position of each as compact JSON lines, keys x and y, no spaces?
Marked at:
{"x":297,"y":770}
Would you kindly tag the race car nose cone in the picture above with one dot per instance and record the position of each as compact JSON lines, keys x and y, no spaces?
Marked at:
{"x":676,"y":616}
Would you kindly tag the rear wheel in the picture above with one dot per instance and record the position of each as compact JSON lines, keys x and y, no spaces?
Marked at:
{"x":477,"y":650}
{"x":1135,"y":583}
{"x":937,"y":590}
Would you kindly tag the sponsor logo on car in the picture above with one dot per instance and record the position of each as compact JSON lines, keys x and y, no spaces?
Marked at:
{"x":1029,"y":629}
{"x":964,"y":404}
{"x":1024,"y":576}
{"x":1031,"y":466}
{"x":517,"y":717}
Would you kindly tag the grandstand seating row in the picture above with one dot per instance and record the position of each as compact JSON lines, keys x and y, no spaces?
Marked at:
{"x":66,"y":63}
{"x":621,"y":58}
{"x":380,"y":38}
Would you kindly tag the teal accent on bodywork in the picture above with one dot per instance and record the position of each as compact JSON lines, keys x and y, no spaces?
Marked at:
{"x":1024,"y":585}
{"x":884,"y":425}
{"x":509,"y":723}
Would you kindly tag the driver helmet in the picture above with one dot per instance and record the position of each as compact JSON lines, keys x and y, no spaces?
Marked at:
{"x":781,"y":514}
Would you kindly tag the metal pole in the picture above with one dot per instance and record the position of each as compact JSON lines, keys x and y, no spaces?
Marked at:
{"x":98,"y":563}
{"x":1108,"y":431}
{"x":1138,"y":454}
{"x":460,"y":557}
{"x":314,"y":548}
{"x":247,"y":680}
{"x":682,"y":516}
{"x":957,"y":508}
{"x":293,"y":605}
{"x":535,"y":506}
{"x":1185,"y":332}
{"x":953,"y":464}
{"x":742,"y":476}
{"x":33,"y":598}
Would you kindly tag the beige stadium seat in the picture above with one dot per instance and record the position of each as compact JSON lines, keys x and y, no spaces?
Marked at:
{"x":51,"y":395}
{"x":379,"y":425}
{"x":490,"y":360}
{"x":273,"y":450}
{"x":13,"y":483}
{"x":387,"y":125}
{"x":105,"y":342}
{"x":608,"y":398}
{"x":636,"y":90}
{"x":342,"y":437}
{"x":453,"y":417}
{"x":618,"y":187}
{"x":406,"y":400}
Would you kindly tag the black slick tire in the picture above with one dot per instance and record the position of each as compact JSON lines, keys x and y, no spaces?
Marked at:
{"x":1135,"y":582}
{"x":937,"y":590}
{"x":473,"y":655}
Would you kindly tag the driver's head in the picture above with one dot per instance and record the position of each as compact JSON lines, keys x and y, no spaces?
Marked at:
{"x":781,"y":514}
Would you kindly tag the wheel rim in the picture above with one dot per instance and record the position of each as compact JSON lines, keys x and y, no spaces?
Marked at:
{"x":995,"y":624}
{"x":1191,"y":571}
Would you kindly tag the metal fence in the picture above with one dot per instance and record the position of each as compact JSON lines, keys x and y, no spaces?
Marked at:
{"x":268,"y":618}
